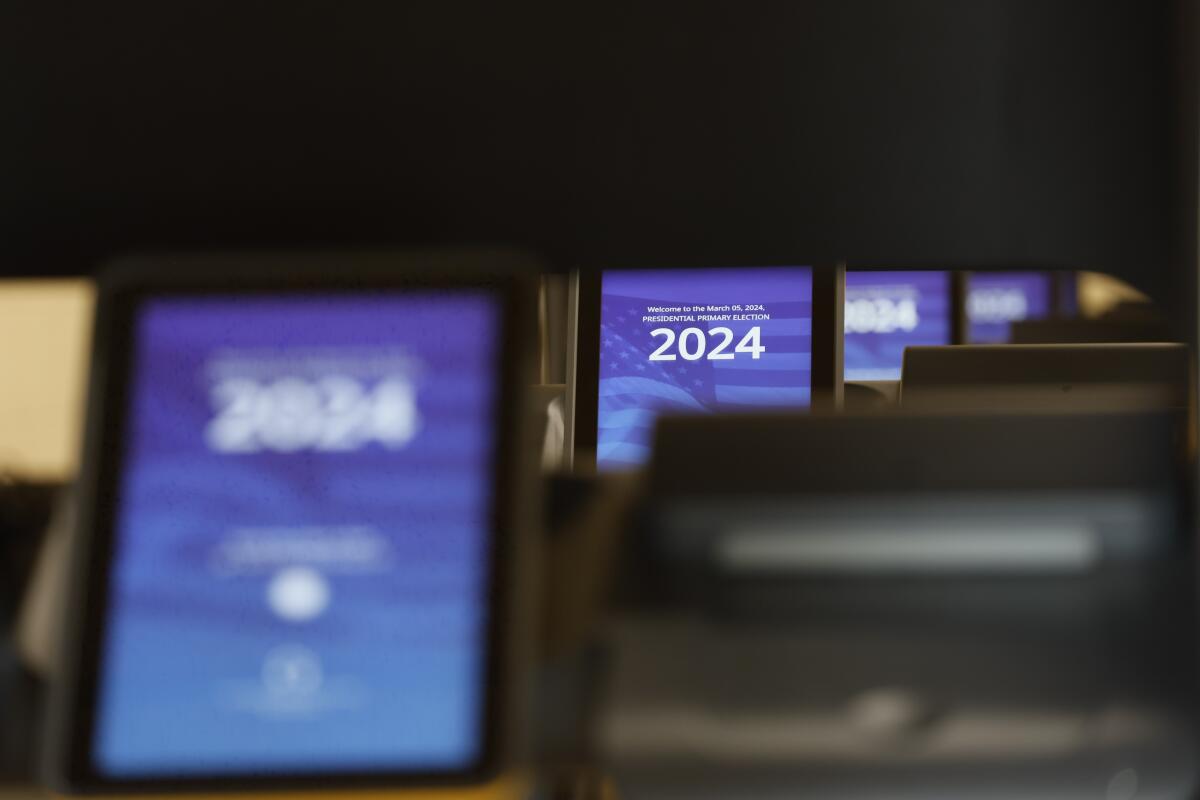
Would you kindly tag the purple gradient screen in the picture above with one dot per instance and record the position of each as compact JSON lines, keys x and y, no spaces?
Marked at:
{"x":995,"y":301}
{"x":889,"y":311}
{"x":301,"y":537}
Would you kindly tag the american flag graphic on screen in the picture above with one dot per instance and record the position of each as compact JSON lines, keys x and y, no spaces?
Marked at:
{"x":705,"y":369}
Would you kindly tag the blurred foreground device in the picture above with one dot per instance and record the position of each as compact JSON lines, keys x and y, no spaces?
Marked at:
{"x":906,"y":606}
{"x":296,"y":561}
{"x":1047,"y":377}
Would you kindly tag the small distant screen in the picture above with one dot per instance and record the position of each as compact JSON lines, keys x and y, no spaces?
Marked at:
{"x":301,"y":539}
{"x":693,"y":341}
{"x":996,"y":301}
{"x":889,"y":311}
{"x":1068,"y":293}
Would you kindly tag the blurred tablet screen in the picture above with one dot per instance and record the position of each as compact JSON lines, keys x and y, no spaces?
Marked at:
{"x":301,"y":539}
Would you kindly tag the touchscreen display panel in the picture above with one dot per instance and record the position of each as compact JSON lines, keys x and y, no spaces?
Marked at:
{"x":995,"y":301}
{"x":698,"y":340}
{"x":301,"y":540}
{"x":889,"y":311}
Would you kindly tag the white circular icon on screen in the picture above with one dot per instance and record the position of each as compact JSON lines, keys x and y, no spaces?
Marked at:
{"x":298,"y":594}
{"x":291,"y":670}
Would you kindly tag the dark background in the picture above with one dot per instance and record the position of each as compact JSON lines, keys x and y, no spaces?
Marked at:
{"x":964,"y":133}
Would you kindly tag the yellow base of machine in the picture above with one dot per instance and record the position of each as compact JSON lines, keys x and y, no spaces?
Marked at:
{"x":501,"y":789}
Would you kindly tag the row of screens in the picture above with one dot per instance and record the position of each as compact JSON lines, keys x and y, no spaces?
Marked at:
{"x":293,"y":533}
{"x":296,"y":494}
{"x":888,"y":311}
{"x":741,"y":339}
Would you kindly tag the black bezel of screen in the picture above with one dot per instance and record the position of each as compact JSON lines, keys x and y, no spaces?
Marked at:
{"x":826,"y":373}
{"x":132,"y":282}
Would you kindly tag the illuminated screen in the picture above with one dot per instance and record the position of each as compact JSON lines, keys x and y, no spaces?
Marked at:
{"x":687,"y":341}
{"x":995,"y":301}
{"x":1068,"y":293}
{"x":301,"y":539}
{"x":889,"y":311}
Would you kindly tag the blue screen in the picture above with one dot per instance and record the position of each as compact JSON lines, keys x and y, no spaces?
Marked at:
{"x":889,"y":311}
{"x":996,"y":300}
{"x":301,"y":538}
{"x":687,"y":341}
